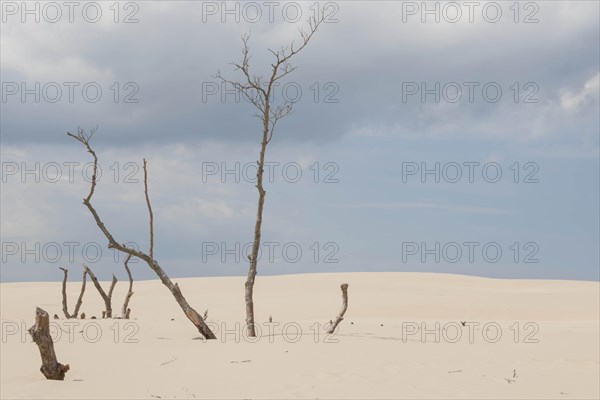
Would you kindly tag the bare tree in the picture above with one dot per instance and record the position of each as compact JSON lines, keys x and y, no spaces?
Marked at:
{"x":106,"y":297}
{"x":126,"y":311}
{"x":192,"y":315}
{"x":40,"y":332}
{"x":64,"y":295}
{"x":340,"y":316}
{"x":258,"y":93}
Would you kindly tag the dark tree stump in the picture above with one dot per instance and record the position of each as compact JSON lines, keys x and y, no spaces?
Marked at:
{"x":40,"y":333}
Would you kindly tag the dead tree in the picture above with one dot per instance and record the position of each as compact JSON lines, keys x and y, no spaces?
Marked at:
{"x":126,"y":311}
{"x":192,"y":315}
{"x":106,"y":297}
{"x":64,"y":295}
{"x":259,"y":94}
{"x":340,"y":316}
{"x":40,"y":333}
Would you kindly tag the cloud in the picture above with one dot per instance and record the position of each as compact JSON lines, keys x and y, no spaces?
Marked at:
{"x":588,"y":94}
{"x":171,"y":65}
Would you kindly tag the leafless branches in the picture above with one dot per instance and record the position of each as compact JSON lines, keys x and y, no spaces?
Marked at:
{"x":257,"y":90}
{"x":192,"y":315}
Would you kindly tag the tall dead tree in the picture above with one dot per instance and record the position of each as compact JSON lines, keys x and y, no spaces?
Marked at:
{"x":106,"y":297}
{"x":40,"y":332}
{"x":64,"y":295}
{"x":126,"y":311}
{"x":259,"y":93}
{"x":191,"y":314}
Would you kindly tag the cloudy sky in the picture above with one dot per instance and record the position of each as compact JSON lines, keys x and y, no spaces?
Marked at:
{"x":445,"y":137}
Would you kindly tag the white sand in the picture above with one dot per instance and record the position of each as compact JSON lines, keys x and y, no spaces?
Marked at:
{"x":369,"y":360}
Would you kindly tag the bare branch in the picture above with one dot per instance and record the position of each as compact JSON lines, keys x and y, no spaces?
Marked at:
{"x":126,"y":311}
{"x":64,"y":293}
{"x":149,"y":210}
{"x":106,"y":297}
{"x":112,"y":286}
{"x":80,"y":299}
{"x":283,"y":58}
{"x":85,"y":139}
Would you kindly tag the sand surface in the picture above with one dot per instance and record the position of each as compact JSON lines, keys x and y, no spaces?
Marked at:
{"x":521,"y":339}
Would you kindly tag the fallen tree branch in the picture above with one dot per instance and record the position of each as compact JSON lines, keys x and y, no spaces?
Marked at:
{"x":40,"y":333}
{"x":340,"y":316}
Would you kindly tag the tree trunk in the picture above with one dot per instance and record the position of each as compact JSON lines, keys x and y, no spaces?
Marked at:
{"x":249,"y":286}
{"x":40,"y":333}
{"x":340,"y":317}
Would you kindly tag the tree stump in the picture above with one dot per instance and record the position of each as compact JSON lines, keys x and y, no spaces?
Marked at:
{"x":40,"y":333}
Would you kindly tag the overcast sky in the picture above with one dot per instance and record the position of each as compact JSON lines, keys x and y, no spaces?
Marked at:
{"x":460,"y":137}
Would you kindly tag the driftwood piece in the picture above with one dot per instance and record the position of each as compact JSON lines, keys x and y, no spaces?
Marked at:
{"x":40,"y":333}
{"x":340,"y":316}
{"x":106,"y":297}
{"x":126,"y":311}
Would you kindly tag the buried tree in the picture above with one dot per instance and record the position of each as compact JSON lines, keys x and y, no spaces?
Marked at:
{"x":192,"y":315}
{"x":260,"y":94}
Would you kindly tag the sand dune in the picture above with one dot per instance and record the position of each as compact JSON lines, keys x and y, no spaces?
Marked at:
{"x":520,"y":339}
